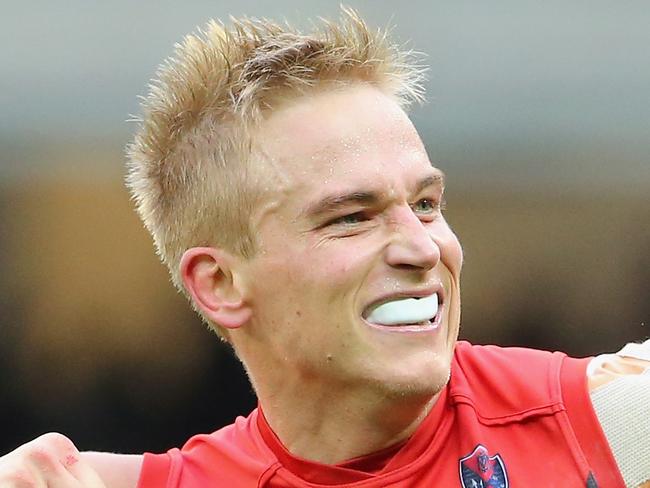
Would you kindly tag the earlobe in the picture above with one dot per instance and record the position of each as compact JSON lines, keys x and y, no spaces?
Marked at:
{"x":209,"y":277}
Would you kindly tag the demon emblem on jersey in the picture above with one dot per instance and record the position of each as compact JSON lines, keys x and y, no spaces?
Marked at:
{"x":480,"y":470}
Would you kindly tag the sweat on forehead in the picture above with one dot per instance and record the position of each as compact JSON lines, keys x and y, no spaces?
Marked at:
{"x":326,"y":126}
{"x":191,"y":165}
{"x":339,"y":147}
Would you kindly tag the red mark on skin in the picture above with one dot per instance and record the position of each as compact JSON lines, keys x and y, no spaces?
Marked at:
{"x":70,"y":460}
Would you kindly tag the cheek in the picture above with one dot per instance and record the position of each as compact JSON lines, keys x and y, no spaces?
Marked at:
{"x":304,"y":273}
{"x":350,"y":260}
{"x":456,"y":252}
{"x":337,"y":269}
{"x":451,"y":252}
{"x":339,"y":260}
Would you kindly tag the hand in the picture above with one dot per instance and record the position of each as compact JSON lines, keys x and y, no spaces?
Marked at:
{"x":50,"y":461}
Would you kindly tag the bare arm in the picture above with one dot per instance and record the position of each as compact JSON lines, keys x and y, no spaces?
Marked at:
{"x":115,"y":470}
{"x":50,"y":460}
{"x":53,"y":460}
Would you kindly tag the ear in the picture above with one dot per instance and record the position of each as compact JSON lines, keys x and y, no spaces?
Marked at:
{"x":210,"y":277}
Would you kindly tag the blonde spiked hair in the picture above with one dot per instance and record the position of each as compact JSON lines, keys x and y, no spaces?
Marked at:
{"x":190,"y":167}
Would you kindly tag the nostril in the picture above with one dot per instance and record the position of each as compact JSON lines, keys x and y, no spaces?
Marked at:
{"x":413,"y":254}
{"x":408,"y":267}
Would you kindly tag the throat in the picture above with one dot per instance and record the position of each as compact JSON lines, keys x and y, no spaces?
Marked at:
{"x":339,"y":433}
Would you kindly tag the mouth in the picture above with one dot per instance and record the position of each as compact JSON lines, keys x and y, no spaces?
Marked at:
{"x":406,"y":313}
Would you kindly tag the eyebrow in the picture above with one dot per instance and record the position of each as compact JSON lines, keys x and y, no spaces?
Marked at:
{"x":437,"y":179}
{"x":330,"y":204}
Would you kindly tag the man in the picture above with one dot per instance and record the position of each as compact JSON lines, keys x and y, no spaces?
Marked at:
{"x":295,"y":205}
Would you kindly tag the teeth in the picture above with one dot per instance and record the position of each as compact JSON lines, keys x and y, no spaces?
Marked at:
{"x":405,"y":311}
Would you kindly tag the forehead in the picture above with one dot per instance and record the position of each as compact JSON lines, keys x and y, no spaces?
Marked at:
{"x":349,"y":137}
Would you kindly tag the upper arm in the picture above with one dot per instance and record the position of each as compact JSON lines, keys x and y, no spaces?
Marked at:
{"x":116,"y":470}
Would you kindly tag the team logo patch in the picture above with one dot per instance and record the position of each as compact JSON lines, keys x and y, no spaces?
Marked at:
{"x":480,"y":470}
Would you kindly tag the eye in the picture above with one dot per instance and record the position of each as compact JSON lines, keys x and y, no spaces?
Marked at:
{"x":425,"y":206}
{"x":428,"y":209}
{"x":349,"y":219}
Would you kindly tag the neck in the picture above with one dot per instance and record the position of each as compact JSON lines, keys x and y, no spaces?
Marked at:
{"x":316,"y":424}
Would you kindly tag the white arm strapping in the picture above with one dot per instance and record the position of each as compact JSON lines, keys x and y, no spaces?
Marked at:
{"x":623,"y":409}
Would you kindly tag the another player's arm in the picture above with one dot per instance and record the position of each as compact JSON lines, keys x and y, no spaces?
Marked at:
{"x":615,"y":367}
{"x":53,"y":460}
{"x":115,"y":470}
{"x":625,"y":375}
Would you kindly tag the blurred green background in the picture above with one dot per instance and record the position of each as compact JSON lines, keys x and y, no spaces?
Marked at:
{"x":539,"y":113}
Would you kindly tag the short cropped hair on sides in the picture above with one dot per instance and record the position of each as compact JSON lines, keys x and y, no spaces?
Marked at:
{"x":191,"y":168}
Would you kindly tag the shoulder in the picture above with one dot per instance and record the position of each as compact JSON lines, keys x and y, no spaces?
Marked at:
{"x":505,"y":381}
{"x":242,"y":438}
{"x":231,"y":455}
{"x":503,"y":356}
{"x":493,"y":364}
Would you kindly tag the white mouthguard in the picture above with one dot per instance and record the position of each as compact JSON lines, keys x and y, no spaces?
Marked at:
{"x":405,"y":311}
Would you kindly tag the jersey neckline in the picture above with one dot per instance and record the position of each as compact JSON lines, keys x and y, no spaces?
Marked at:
{"x":392,"y":459}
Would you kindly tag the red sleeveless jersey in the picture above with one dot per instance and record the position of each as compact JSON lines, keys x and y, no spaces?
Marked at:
{"x":509,"y":417}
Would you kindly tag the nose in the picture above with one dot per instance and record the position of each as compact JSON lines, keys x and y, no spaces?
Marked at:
{"x":412,"y":245}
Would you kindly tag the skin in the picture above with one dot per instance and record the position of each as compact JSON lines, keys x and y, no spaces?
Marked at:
{"x":305,"y":293}
{"x":53,"y":460}
{"x":295,"y":311}
{"x":332,"y":386}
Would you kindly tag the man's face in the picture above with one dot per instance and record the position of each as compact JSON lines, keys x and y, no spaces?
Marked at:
{"x":356,"y":280}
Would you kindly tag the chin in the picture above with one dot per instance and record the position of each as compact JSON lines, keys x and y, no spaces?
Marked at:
{"x":422,"y":391}
{"x":422,"y":380}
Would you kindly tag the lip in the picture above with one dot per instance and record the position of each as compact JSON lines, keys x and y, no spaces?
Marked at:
{"x":420,"y":293}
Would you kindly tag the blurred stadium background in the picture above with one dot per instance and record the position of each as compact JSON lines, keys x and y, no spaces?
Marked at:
{"x":539,"y":113}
